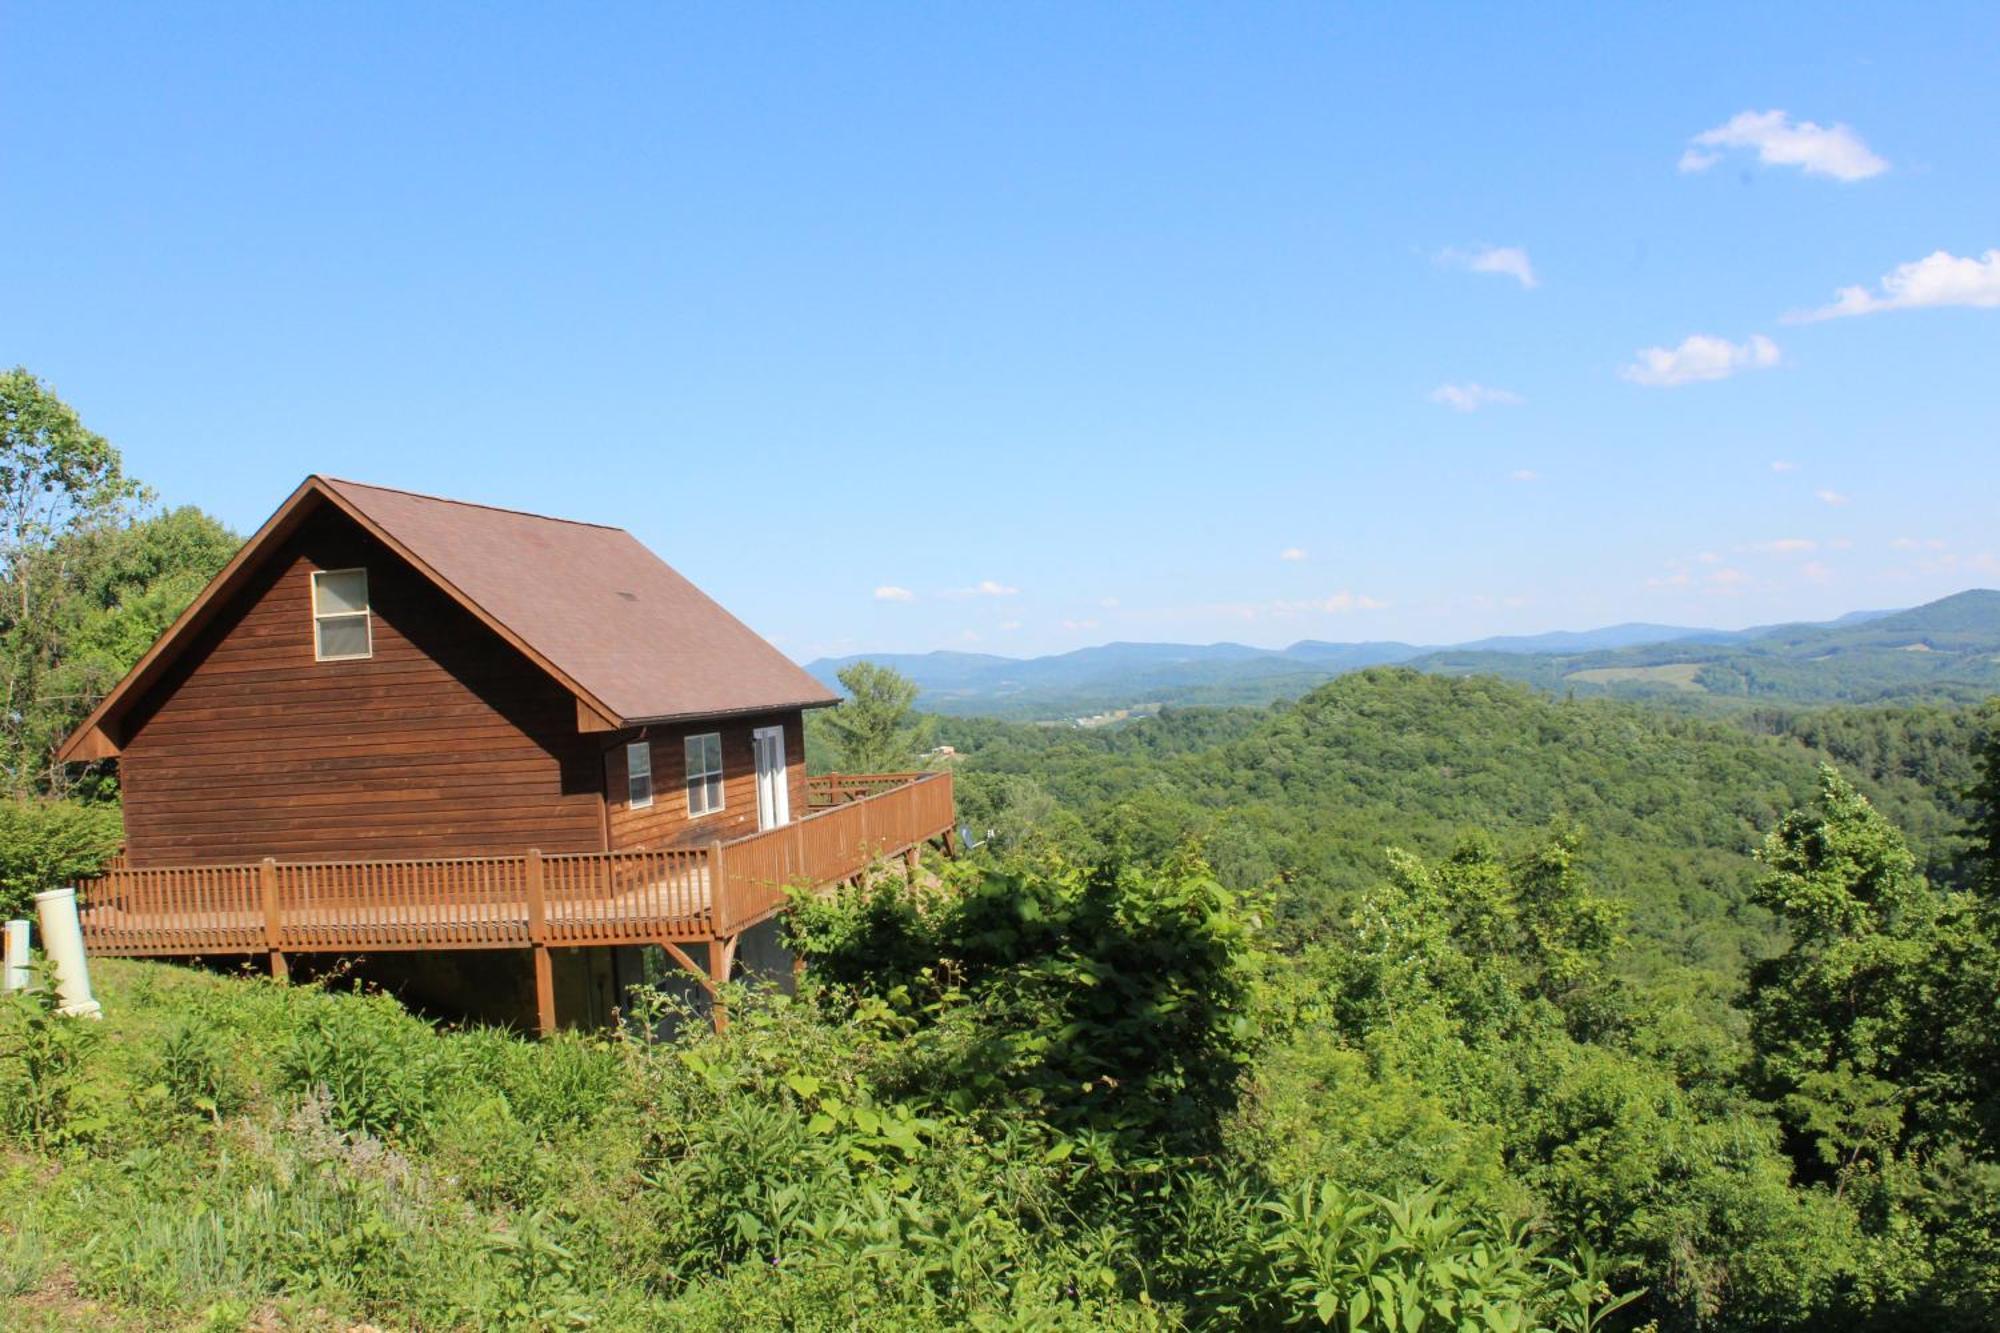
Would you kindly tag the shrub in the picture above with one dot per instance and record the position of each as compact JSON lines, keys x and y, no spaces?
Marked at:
{"x":43,"y":1098}
{"x":47,"y":844}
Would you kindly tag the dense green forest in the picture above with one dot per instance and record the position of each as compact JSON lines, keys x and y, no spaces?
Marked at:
{"x":1311,"y":795}
{"x":1421,"y":1002}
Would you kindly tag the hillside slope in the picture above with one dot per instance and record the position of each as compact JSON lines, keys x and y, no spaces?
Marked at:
{"x":1311,"y":795}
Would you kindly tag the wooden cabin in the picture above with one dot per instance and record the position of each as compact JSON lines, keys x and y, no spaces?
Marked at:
{"x":401,"y":723}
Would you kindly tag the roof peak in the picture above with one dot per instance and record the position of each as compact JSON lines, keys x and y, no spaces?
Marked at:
{"x":469,"y":504}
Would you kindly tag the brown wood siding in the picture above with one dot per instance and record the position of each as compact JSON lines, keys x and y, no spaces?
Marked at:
{"x":446,"y":742}
{"x":666,"y":823}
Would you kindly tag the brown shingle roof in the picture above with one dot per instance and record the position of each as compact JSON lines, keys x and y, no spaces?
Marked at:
{"x":631,"y":638}
{"x":607,"y":612}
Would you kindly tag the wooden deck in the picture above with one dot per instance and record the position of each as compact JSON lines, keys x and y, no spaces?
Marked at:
{"x":575,"y":900}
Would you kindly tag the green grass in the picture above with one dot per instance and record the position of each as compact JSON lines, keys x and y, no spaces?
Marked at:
{"x":1680,"y":675}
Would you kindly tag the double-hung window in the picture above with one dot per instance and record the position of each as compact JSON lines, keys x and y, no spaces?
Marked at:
{"x":704,"y":774}
{"x":639,"y":775}
{"x":341,"y":626}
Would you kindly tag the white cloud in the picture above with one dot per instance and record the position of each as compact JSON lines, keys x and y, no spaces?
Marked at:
{"x":1009,"y":626}
{"x":1680,"y":578}
{"x":1818,"y":150}
{"x":1938,"y":279}
{"x":1293,"y":553}
{"x":889,"y":592}
{"x":983,"y":588}
{"x":1727,"y":580}
{"x":1830,"y":496}
{"x":1507,"y":260}
{"x":1916,"y":544}
{"x":968,"y":635}
{"x":1079,"y":624}
{"x":1815,"y":571}
{"x":1108,"y":603}
{"x":1699,"y":357}
{"x":1787,"y":546}
{"x":1471,"y":397}
{"x":1524,"y":474}
{"x":1782,"y":466}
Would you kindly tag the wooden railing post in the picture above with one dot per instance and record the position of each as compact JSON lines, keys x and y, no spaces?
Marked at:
{"x":719,"y":913}
{"x":267,"y":883}
{"x":538,"y":944}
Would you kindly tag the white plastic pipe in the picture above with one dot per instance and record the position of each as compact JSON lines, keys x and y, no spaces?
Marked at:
{"x":14,"y":973}
{"x":62,"y":941}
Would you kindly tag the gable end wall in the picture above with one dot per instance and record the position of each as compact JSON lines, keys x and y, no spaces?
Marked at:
{"x":446,"y":742}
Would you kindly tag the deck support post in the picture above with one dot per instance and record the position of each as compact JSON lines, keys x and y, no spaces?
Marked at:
{"x":267,"y":887}
{"x":545,"y":991}
{"x":721,"y":959}
{"x":538,"y":944}
{"x":911,"y":859}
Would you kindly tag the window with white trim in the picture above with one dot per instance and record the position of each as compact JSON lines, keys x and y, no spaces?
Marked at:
{"x":341,"y":625}
{"x":639,"y":775}
{"x":704,"y":774}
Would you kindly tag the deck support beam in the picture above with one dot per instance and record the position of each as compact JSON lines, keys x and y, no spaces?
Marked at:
{"x":281,"y":970}
{"x":694,"y":969}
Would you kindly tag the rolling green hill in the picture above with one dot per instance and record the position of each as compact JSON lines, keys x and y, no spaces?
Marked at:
{"x":1311,"y":794}
{"x":1946,"y":650}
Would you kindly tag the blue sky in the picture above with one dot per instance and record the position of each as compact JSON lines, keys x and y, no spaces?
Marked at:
{"x":1017,"y":328}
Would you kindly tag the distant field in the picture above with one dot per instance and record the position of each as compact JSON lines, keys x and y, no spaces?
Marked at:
{"x":1680,"y":675}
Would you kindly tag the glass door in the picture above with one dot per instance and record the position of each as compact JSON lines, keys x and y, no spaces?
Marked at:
{"x":774,"y":801}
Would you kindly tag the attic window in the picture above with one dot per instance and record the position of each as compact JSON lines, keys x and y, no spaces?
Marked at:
{"x":341,"y":626}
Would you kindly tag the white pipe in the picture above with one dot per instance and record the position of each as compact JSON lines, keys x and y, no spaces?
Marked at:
{"x":14,"y":973}
{"x":62,"y":941}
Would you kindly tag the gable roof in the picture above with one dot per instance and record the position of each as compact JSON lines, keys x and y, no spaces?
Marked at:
{"x":633,"y":640}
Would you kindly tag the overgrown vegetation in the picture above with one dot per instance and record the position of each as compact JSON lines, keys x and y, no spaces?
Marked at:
{"x":1422,"y":1002}
{"x":1037,"y":1092}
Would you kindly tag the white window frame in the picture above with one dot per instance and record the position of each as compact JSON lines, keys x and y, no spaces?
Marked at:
{"x":693,"y":782}
{"x":639,"y":761}
{"x":366,"y":615}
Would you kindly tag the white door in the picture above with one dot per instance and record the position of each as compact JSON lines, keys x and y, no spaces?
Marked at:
{"x":774,"y":798}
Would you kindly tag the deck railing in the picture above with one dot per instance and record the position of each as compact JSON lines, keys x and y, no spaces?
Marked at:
{"x":824,"y":789}
{"x":836,"y":841}
{"x":487,"y":902}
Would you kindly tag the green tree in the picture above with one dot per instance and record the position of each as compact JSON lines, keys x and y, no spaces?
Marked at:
{"x":875,"y":729}
{"x":1985,"y":797}
{"x":1877,"y":1038}
{"x":58,"y":480}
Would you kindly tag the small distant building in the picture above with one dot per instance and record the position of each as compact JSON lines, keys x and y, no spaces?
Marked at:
{"x":402,"y":723}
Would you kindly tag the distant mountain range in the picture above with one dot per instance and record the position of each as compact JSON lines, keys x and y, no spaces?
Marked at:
{"x":1944,"y":649}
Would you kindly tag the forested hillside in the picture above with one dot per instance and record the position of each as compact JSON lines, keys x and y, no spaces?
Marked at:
{"x":1313,"y":794}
